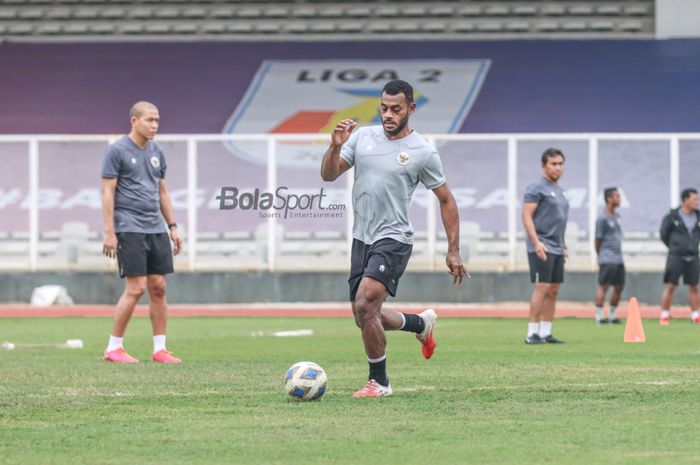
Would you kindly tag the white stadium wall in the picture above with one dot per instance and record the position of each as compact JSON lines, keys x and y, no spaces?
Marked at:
{"x":677,"y":19}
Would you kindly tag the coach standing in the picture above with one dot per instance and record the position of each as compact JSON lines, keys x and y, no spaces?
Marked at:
{"x":680,"y":231}
{"x":545,"y":213}
{"x":135,"y":200}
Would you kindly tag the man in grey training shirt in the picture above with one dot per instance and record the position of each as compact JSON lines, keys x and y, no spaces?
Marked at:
{"x":608,"y":246}
{"x":135,"y":201}
{"x":545,"y":213}
{"x":390,"y":160}
{"x":680,"y":231}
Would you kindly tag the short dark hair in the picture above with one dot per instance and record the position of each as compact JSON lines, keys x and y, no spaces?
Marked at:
{"x":608,"y":192}
{"x":687,"y":191}
{"x":397,"y":86}
{"x":551,"y":153}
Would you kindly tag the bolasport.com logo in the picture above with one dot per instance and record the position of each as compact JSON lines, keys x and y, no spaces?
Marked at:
{"x":282,"y":203}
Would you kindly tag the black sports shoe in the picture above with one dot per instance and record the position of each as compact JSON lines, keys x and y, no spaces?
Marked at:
{"x":615,"y":321}
{"x":552,"y":340}
{"x":602,"y":321}
{"x":534,"y":339}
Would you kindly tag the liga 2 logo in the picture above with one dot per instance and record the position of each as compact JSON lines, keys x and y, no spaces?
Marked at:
{"x":310,"y":97}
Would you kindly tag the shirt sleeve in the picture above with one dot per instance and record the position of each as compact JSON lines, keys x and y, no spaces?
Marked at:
{"x":431,"y":175}
{"x":163,"y":164}
{"x":111,"y":163}
{"x":532,"y":194}
{"x":347,"y":151}
{"x":600,"y":228}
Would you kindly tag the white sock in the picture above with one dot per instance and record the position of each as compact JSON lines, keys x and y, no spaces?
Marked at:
{"x":694,"y":314}
{"x":158,"y":343}
{"x":115,"y":343}
{"x":665,"y":313}
{"x":598,"y":314}
{"x":612,"y":312}
{"x":532,"y":328}
{"x":403,"y":320}
{"x":545,"y":328}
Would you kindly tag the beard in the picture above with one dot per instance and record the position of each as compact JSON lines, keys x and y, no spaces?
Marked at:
{"x":399,"y":126}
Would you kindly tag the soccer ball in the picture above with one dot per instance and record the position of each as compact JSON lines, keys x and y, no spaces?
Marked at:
{"x":305,"y":381}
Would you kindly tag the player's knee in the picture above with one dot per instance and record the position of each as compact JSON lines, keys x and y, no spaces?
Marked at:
{"x":157,"y":290}
{"x":552,"y":290}
{"x":135,"y":290}
{"x":366,"y":309}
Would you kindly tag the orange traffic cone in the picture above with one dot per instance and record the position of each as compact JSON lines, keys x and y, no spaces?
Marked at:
{"x":634,"y":330}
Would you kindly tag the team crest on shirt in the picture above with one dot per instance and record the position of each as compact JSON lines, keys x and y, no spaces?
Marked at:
{"x":133,"y":161}
{"x":155,"y":162}
{"x":403,"y":158}
{"x":381,"y":268}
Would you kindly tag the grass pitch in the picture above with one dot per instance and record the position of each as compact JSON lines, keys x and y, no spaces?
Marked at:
{"x":484,"y":398}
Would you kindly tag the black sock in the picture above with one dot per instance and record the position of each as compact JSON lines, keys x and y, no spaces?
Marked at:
{"x":414,"y":323}
{"x":377,"y":372}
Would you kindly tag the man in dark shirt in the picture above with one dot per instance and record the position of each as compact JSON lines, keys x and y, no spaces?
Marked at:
{"x":680,"y":231}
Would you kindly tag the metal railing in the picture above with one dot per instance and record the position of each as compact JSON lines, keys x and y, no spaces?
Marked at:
{"x":516,"y":149}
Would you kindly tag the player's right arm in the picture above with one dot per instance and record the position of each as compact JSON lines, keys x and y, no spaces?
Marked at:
{"x":529,"y":209}
{"x":332,"y":165}
{"x":109,"y":187}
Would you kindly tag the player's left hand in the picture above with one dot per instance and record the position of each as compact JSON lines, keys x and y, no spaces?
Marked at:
{"x":457,"y":268}
{"x":177,"y":242}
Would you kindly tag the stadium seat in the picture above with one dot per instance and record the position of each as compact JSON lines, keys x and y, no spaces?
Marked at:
{"x":609,"y":10}
{"x":631,"y":26}
{"x":524,"y":10}
{"x":31,"y":14}
{"x":497,"y":10}
{"x":358,"y":12}
{"x":222,"y":13}
{"x":7,"y":14}
{"x":581,"y":10}
{"x":57,"y":13}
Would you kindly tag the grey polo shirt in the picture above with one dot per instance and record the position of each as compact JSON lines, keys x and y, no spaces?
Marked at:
{"x":609,"y":232}
{"x":137,"y":198}
{"x":386,"y":175}
{"x":550,"y":216}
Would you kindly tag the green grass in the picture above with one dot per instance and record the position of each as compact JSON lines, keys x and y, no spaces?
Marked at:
{"x":484,"y":398}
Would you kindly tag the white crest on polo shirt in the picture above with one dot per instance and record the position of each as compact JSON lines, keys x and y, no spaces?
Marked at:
{"x":403,"y":158}
{"x":155,"y":162}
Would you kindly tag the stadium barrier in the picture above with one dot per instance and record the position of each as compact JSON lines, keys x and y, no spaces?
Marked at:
{"x":50,"y":198}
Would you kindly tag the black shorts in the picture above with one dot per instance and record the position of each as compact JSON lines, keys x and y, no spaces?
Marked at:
{"x":142,"y":254}
{"x":549,"y":271}
{"x":385,"y":261}
{"x":611,"y":273}
{"x":677,"y":266}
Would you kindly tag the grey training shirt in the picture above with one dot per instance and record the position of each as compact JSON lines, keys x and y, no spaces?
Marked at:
{"x":609,"y":232}
{"x":550,"y":216}
{"x":386,"y":174}
{"x":689,"y":219}
{"x":138,"y":173}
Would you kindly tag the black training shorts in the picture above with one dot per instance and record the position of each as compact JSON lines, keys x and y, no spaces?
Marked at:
{"x":546,"y":271}
{"x":385,"y":261}
{"x":612,"y":274}
{"x":677,"y":266}
{"x":142,"y":254}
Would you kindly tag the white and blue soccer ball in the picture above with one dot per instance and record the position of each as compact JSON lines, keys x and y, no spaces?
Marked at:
{"x":305,"y":381}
